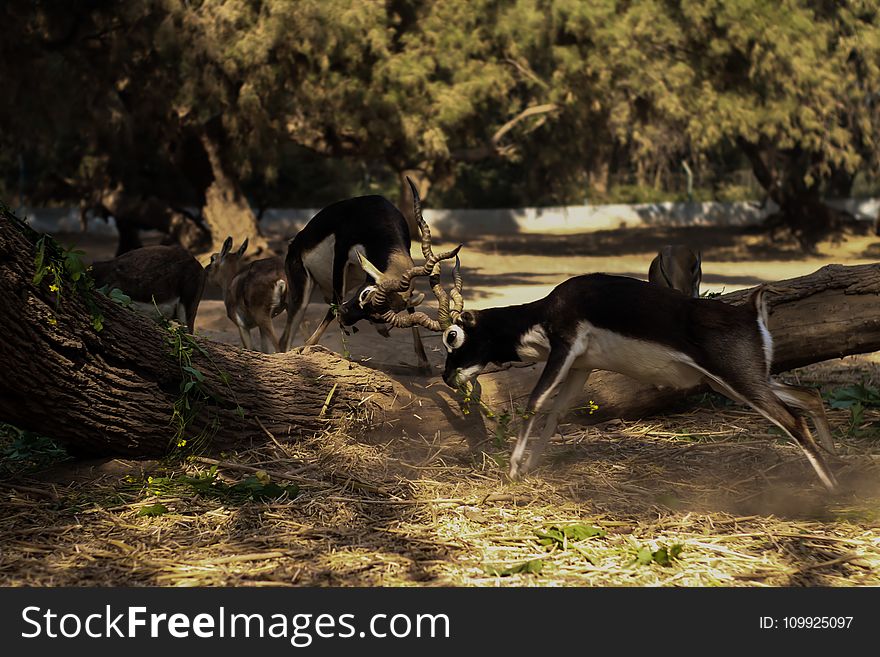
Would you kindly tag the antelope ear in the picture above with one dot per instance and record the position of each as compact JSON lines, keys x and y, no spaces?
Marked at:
{"x":227,"y":245}
{"x":371,"y":269}
{"x":467,"y":319}
{"x":243,"y":247}
{"x":415,"y":299}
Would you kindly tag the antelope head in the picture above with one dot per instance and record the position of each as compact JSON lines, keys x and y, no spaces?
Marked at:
{"x":389,"y":299}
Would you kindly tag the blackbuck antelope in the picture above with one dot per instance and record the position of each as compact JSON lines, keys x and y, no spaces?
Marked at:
{"x":367,"y":234}
{"x":165,"y":277}
{"x":650,"y":333}
{"x":252,"y":294}
{"x":677,"y":267}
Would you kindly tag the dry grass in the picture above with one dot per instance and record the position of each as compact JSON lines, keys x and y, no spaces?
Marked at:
{"x":426,"y":510}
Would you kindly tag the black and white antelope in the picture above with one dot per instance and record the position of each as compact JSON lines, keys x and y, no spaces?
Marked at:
{"x":650,"y":333}
{"x":167,"y":278}
{"x":679,"y":268}
{"x":253,"y":294}
{"x":341,"y":243}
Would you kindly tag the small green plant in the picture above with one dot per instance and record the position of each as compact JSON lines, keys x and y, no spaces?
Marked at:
{"x":849,"y":396}
{"x":856,"y":398}
{"x":258,"y":487}
{"x":662,"y":556}
{"x":66,"y":273}
{"x":116,"y":295}
{"x":559,"y":536}
{"x":22,"y":451}
{"x":590,"y":407}
{"x":531,"y":567}
{"x":502,"y":428}
{"x":153,"y":510}
{"x":194,"y":395}
{"x":343,"y":331}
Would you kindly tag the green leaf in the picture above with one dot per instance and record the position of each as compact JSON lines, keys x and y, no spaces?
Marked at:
{"x":119,"y":297}
{"x":662,"y":556}
{"x":560,"y":535}
{"x":644,"y":556}
{"x":194,"y":372}
{"x":153,"y":510}
{"x":531,"y":567}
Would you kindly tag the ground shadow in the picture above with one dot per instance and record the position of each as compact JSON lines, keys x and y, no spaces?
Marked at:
{"x":718,"y":243}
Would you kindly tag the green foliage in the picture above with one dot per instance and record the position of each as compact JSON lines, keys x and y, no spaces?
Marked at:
{"x":531,"y":567}
{"x":662,"y":556}
{"x":856,"y":398}
{"x":560,"y":536}
{"x":257,"y":487}
{"x":23,"y":451}
{"x":849,"y":396}
{"x":153,"y":510}
{"x":64,"y":270}
{"x":115,"y":295}
{"x":329,"y":97}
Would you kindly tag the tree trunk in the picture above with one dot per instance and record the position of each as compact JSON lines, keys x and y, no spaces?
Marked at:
{"x":113,"y":391}
{"x":226,"y":211}
{"x":783,"y":176}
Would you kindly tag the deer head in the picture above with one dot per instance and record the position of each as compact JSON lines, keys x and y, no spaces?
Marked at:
{"x":390,"y":299}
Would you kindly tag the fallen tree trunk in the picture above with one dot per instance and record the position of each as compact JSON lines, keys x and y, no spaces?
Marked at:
{"x":115,"y":390}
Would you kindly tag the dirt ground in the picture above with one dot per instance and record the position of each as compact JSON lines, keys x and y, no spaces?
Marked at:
{"x":710,"y":496}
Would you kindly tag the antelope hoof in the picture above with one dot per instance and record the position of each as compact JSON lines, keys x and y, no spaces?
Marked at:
{"x":517,"y":470}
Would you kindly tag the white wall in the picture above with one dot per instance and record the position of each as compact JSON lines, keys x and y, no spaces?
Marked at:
{"x":563,"y":220}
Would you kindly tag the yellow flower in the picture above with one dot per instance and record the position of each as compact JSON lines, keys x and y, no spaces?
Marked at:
{"x":181,"y":442}
{"x":54,"y":287}
{"x":53,"y":321}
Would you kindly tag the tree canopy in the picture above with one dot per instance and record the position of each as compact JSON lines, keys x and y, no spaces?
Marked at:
{"x":492,"y":102}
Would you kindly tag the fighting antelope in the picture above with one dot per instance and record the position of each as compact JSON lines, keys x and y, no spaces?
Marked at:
{"x":253,"y":294}
{"x":677,"y":267}
{"x":343,"y":241}
{"x":650,"y":333}
{"x":165,"y":277}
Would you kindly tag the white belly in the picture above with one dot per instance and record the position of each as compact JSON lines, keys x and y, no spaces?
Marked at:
{"x":648,"y":362}
{"x":319,"y":263}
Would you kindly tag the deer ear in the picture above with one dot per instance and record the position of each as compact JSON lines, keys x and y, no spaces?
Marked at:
{"x":468,"y":319}
{"x":371,"y":269}
{"x":227,"y":245}
{"x":243,"y":247}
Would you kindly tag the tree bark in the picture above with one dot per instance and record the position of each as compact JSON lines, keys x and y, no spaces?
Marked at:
{"x":113,"y":391}
{"x":226,"y":210}
{"x":783,"y":175}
